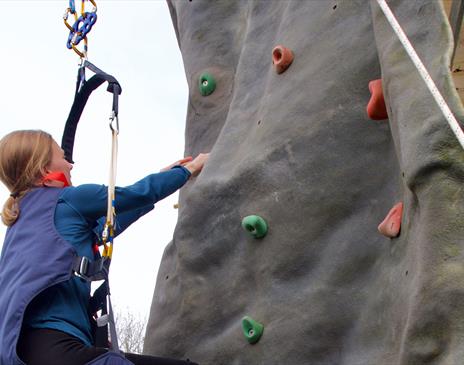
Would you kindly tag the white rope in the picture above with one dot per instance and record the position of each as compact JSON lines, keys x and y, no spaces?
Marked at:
{"x":110,"y":221}
{"x":453,"y":123}
{"x":112,"y":180}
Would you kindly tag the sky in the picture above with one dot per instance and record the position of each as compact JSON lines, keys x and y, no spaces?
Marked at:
{"x":135,"y":42}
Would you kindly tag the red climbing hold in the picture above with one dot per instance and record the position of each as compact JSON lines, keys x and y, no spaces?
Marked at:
{"x":282,"y":58}
{"x":391,"y":225}
{"x":376,"y":108}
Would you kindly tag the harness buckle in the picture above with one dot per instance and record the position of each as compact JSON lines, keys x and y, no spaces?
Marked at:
{"x":83,"y":268}
{"x":103,"y":320}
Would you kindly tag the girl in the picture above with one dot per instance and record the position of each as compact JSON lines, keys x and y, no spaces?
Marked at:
{"x":45,"y":309}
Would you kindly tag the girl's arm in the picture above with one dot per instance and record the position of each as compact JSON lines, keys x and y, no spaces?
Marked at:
{"x":90,"y":200}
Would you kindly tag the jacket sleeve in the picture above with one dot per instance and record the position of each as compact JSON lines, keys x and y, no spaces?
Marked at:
{"x":131,"y":202}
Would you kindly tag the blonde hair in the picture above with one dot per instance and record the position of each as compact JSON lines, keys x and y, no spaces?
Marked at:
{"x":24,"y":156}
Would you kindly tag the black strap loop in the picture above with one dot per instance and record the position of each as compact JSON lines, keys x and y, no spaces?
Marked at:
{"x":98,"y":302}
{"x":98,"y":299}
{"x":83,"y":90}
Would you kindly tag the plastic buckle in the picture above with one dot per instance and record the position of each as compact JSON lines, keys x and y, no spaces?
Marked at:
{"x":83,"y":266}
{"x":103,"y":320}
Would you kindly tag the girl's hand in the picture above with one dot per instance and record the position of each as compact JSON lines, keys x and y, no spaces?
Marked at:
{"x":195,"y":166}
{"x":179,"y":162}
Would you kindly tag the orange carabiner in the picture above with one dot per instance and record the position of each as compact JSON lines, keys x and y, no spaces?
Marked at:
{"x":83,"y":6}
{"x":82,"y":54}
{"x":65,"y":18}
{"x":107,"y":240}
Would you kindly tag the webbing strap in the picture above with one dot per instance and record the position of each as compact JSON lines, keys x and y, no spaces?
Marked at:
{"x":83,"y":90}
{"x":101,"y":299}
{"x":112,"y":179}
{"x":98,"y":299}
{"x":112,"y":326}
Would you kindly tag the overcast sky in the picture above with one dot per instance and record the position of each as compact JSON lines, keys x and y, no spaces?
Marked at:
{"x":135,"y":42}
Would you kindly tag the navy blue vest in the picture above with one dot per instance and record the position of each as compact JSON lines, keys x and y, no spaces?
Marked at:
{"x":34,"y":257}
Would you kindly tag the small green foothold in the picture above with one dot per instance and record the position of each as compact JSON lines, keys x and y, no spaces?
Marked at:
{"x":255,"y":225}
{"x":252,"y":330}
{"x":207,"y":84}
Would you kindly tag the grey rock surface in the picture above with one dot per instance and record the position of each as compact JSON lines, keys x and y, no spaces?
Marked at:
{"x":299,"y":150}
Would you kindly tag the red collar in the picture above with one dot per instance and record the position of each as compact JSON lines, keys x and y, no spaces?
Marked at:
{"x":56,"y":176}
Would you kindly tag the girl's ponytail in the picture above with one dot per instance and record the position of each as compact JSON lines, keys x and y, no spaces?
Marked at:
{"x":24,"y":156}
{"x":10,"y":211}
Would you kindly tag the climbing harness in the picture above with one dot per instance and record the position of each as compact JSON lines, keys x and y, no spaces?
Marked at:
{"x":453,"y":123}
{"x":99,"y":269}
{"x":84,"y":268}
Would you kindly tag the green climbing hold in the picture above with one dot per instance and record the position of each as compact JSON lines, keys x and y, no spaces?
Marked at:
{"x":255,"y":225}
{"x":252,"y":330}
{"x":207,"y":84}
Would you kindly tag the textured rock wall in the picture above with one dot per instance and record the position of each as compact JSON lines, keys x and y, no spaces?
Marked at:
{"x":299,"y":150}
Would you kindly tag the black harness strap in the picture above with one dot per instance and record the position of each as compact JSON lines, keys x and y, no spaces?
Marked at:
{"x":98,"y":299}
{"x":95,"y":271}
{"x":83,"y":90}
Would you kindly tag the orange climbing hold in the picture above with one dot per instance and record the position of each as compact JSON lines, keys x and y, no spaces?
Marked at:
{"x":282,"y":58}
{"x":391,"y":225}
{"x":376,"y":108}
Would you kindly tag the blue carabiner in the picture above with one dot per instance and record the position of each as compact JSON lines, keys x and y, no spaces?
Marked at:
{"x":72,"y":6}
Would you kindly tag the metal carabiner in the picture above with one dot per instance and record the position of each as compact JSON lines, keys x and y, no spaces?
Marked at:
{"x":114,"y":126}
{"x":81,"y":73}
{"x":107,"y":240}
{"x":94,"y":10}
{"x":82,"y":54}
{"x":66,"y":16}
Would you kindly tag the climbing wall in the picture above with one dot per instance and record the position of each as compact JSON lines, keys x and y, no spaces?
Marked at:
{"x":327,"y":226}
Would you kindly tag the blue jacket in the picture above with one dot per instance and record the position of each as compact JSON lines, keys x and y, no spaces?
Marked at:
{"x":36,"y":257}
{"x":79,"y":217}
